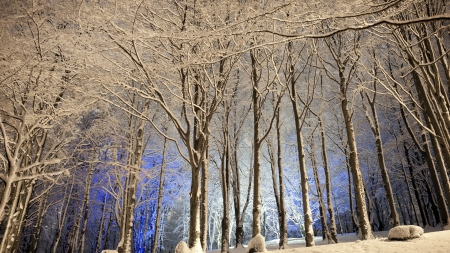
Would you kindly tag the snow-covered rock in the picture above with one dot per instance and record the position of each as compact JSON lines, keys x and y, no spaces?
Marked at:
{"x":182,"y":248}
{"x":109,"y":251}
{"x":257,"y":244}
{"x":405,"y":232}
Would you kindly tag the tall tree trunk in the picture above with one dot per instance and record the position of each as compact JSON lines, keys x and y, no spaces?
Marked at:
{"x":375,"y":127}
{"x":338,"y":216}
{"x":442,"y":206}
{"x":225,"y":182}
{"x":239,"y":232}
{"x":204,"y":204}
{"x":101,"y":227}
{"x":335,"y":46}
{"x":37,"y":226}
{"x":421,"y":148}
{"x":19,"y":200}
{"x":256,"y":223}
{"x":433,"y":123}
{"x":431,"y":203}
{"x":239,"y":235}
{"x":25,"y":196}
{"x":132,"y":177}
{"x":307,"y":215}
{"x":62,"y":217}
{"x":197,"y":224}
{"x":160,"y":198}
{"x":410,"y":194}
{"x":194,"y":213}
{"x":415,"y":187}
{"x":322,"y":210}
{"x":326,"y":168}
{"x":8,"y":240}
{"x":309,"y":232}
{"x":350,"y":194}
{"x":86,"y":198}
{"x":361,"y":210}
{"x":282,"y":208}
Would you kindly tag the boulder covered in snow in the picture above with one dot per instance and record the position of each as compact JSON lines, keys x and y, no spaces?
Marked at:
{"x":405,"y":232}
{"x":182,"y":248}
{"x":257,"y":244}
{"x":109,"y":251}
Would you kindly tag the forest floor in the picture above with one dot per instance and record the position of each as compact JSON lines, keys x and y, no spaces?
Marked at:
{"x":434,"y":240}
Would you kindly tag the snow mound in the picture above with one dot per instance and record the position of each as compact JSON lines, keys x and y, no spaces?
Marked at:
{"x":182,"y":248}
{"x":109,"y":251}
{"x":256,"y":244}
{"x":405,"y":232}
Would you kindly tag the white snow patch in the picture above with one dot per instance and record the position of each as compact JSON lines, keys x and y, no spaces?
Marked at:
{"x":182,"y":248}
{"x":405,"y":232}
{"x":257,"y":244}
{"x":109,"y":251}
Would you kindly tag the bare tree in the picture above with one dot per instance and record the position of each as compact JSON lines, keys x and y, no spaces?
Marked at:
{"x":326,"y":168}
{"x":343,"y":49}
{"x":34,"y":88}
{"x":372,"y":118}
{"x":278,"y":182}
{"x":292,"y":74}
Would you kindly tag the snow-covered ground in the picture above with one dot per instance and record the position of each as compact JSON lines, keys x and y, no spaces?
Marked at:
{"x":434,"y":240}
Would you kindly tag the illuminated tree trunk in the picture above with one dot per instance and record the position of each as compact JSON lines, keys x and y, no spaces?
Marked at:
{"x":322,"y":209}
{"x":276,"y":165}
{"x":281,"y":206}
{"x":22,"y":191}
{"x":86,"y":198}
{"x":225,"y":175}
{"x":132,"y":177}
{"x":37,"y":226}
{"x":204,"y":193}
{"x":160,"y":198}
{"x":375,"y":127}
{"x":98,"y":245}
{"x":358,"y":184}
{"x":307,"y":215}
{"x":326,"y":168}
{"x":256,"y":223}
{"x":62,"y":216}
{"x":341,"y":58}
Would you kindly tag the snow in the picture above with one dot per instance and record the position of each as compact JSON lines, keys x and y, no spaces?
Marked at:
{"x":433,"y":240}
{"x":405,"y":232}
{"x":109,"y":251}
{"x":182,"y":248}
{"x":256,"y":244}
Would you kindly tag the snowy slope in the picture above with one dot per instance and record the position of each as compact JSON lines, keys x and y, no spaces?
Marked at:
{"x":431,"y":241}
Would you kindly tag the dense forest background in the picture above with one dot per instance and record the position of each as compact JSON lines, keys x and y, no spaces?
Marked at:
{"x":134,"y":125}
